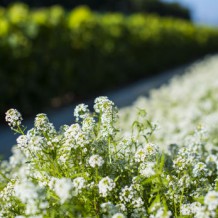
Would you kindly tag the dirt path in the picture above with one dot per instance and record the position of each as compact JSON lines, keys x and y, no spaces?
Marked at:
{"x":121,"y":97}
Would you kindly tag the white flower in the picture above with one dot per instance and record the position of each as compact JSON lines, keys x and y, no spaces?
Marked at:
{"x":35,"y":145}
{"x":189,"y":209}
{"x":26,"y":191}
{"x":147,"y":169}
{"x":199,"y":168}
{"x":163,"y":214}
{"x":211,"y":159}
{"x":185,"y":209}
{"x":13,"y":117}
{"x":179,"y":163}
{"x":108,"y":207}
{"x":22,"y":141}
{"x":148,"y":151}
{"x":108,"y":115}
{"x":62,"y":188}
{"x":127,"y":194}
{"x":139,"y":212}
{"x":102,"y":103}
{"x":96,"y":161}
{"x":75,"y":137}
{"x":42,"y":124}
{"x":78,"y":185}
{"x":140,"y":155}
{"x":88,"y":124}
{"x":81,"y":111}
{"x":202,"y":212}
{"x":7,"y":192}
{"x":184,"y":181}
{"x":151,"y":149}
{"x":121,"y":207}
{"x":195,"y":206}
{"x":211,"y":200}
{"x":105,"y":186}
{"x":137,"y":203}
{"x":118,"y":215}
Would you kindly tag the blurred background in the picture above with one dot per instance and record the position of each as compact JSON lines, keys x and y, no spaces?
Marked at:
{"x":202,"y":12}
{"x":124,"y":6}
{"x":55,"y":53}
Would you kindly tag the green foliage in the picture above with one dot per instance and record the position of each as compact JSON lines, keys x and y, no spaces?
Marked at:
{"x":48,"y":53}
{"x":124,"y":6}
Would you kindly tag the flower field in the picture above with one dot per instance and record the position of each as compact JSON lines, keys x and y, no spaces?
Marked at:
{"x":156,"y":159}
{"x":187,"y":103}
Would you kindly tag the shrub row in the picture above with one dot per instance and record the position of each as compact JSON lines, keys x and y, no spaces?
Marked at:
{"x":46,"y":53}
{"x":125,"y":6}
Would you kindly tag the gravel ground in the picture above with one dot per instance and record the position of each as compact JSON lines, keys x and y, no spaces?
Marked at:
{"x":121,"y":97}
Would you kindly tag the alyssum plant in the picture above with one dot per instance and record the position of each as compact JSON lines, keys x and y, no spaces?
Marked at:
{"x":89,"y":169}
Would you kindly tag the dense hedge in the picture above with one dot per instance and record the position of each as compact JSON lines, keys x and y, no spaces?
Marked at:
{"x":125,"y":6}
{"x":47,"y":53}
{"x":172,"y":9}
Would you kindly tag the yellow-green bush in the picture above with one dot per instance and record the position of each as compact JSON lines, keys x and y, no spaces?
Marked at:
{"x":46,"y":53}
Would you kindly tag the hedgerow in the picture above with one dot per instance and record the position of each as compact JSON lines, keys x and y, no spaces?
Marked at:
{"x":50,"y":54}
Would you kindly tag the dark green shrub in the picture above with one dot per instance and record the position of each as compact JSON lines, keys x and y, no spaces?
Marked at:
{"x":48,"y":53}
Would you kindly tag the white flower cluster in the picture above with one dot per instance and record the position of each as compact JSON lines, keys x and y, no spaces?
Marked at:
{"x":22,"y":141}
{"x":190,"y":209}
{"x":75,"y":137}
{"x":147,"y":169}
{"x":28,"y":193}
{"x":96,"y":161}
{"x":81,"y":111}
{"x":146,"y":152}
{"x":62,"y":188}
{"x":42,"y":124}
{"x":88,"y":124}
{"x":211,"y":200}
{"x":108,"y":115}
{"x":13,"y":118}
{"x":105,"y":186}
{"x":118,"y":215}
{"x":162,"y":214}
{"x":127,"y":194}
{"x":179,"y":108}
{"x":79,"y":183}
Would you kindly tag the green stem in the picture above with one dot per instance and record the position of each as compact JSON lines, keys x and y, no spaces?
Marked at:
{"x":99,"y":125}
{"x":20,"y":130}
{"x":4,"y":176}
{"x":109,"y":149}
{"x":175,"y":208}
{"x":96,"y":175}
